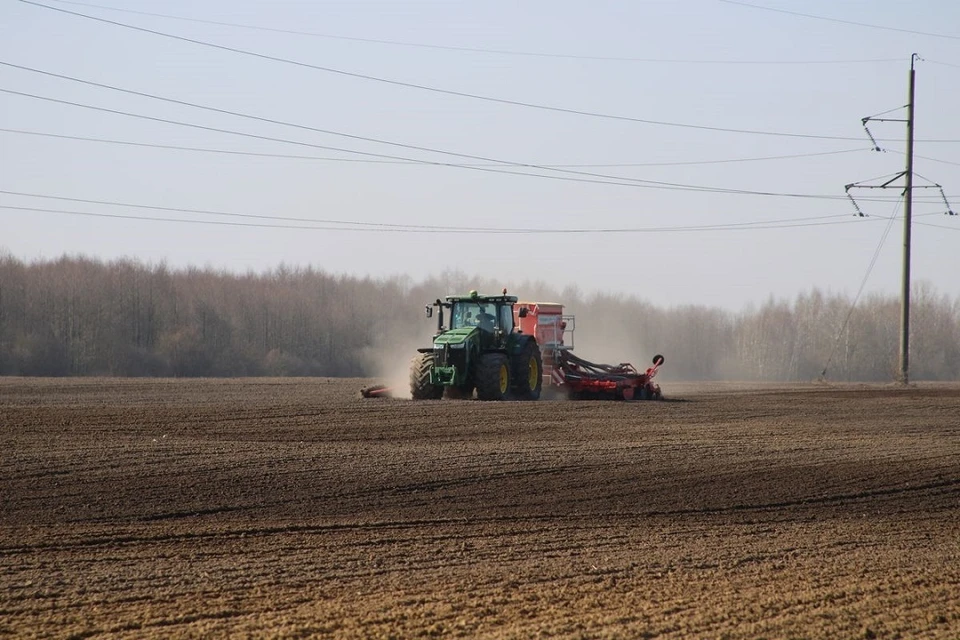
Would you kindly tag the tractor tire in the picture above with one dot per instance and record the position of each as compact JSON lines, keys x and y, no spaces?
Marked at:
{"x":420,"y":387}
{"x":492,"y":377}
{"x":527,"y":372}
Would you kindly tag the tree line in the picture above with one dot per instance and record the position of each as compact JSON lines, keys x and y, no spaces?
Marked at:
{"x":76,"y":316}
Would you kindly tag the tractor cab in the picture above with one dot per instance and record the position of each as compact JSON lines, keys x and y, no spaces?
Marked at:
{"x":494,"y":318}
{"x":492,"y":315}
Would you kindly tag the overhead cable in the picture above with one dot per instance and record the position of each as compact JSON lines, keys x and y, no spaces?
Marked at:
{"x":333,"y":224}
{"x":916,"y":155}
{"x":945,"y":64}
{"x":347,"y":135}
{"x":114,"y":203}
{"x":422,"y":87}
{"x":328,"y":147}
{"x":311,"y":128}
{"x":505,"y":52}
{"x":937,"y":226}
{"x":428,"y":230}
{"x":838,"y":20}
{"x":611,"y":180}
{"x":413,"y":163}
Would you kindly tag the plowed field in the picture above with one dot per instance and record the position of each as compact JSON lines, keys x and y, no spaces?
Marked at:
{"x":293,"y":508}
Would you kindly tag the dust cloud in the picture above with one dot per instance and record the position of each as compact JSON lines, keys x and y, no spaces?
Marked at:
{"x":389,"y":361}
{"x":613,"y":345}
{"x":611,"y":339}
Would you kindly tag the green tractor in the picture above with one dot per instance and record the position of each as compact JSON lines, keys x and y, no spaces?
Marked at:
{"x":480,"y":350}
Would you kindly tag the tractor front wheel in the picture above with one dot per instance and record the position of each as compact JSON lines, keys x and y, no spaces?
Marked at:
{"x":492,"y":377}
{"x":420,"y":387}
{"x":528,"y":372}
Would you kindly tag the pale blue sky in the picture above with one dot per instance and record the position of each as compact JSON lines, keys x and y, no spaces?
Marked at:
{"x":700,"y":65}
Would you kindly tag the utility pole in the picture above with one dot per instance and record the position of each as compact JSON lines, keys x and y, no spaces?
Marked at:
{"x":908,"y":175}
{"x":907,"y":217}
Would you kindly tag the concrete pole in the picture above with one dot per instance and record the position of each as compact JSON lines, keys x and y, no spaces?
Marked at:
{"x":907,"y":215}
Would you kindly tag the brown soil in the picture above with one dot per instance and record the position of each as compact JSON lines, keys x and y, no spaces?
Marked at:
{"x":293,"y":508}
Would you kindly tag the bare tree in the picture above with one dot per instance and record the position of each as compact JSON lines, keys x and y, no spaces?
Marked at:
{"x":79,"y":316}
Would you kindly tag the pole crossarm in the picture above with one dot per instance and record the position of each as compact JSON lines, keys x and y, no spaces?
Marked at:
{"x":877,"y":118}
{"x":891,"y":186}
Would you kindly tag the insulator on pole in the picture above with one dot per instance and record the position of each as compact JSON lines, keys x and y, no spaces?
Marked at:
{"x":876,"y":145}
{"x":854,"y":203}
{"x":949,"y":211}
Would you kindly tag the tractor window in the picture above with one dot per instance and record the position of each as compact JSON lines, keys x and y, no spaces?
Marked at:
{"x":473,"y":314}
{"x":506,"y":318}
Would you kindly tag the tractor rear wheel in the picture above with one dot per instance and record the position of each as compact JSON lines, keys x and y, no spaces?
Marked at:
{"x":528,"y":372}
{"x":420,"y":387}
{"x":492,"y":377}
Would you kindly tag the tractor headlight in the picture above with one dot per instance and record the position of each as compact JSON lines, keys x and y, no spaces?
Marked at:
{"x":458,"y":345}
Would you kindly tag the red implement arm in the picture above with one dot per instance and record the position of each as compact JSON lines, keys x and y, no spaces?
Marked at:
{"x":586,"y":379}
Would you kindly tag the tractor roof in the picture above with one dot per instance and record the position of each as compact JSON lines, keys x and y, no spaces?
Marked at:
{"x":473,"y":296}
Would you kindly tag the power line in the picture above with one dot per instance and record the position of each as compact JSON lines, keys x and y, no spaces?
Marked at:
{"x":208,"y":222}
{"x":916,"y":155}
{"x":945,"y":64}
{"x":849,"y":22}
{"x":422,"y":163}
{"x":319,"y":130}
{"x":114,"y":203}
{"x":937,"y":226}
{"x":384,"y":226}
{"x":366,"y":138}
{"x":412,"y":85}
{"x":610,"y":180}
{"x":956,"y":164}
{"x":211,"y":212}
{"x":261,"y":118}
{"x":412,"y":163}
{"x":325,"y":147}
{"x":748,"y":226}
{"x":506,"y":52}
{"x":408,"y":162}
